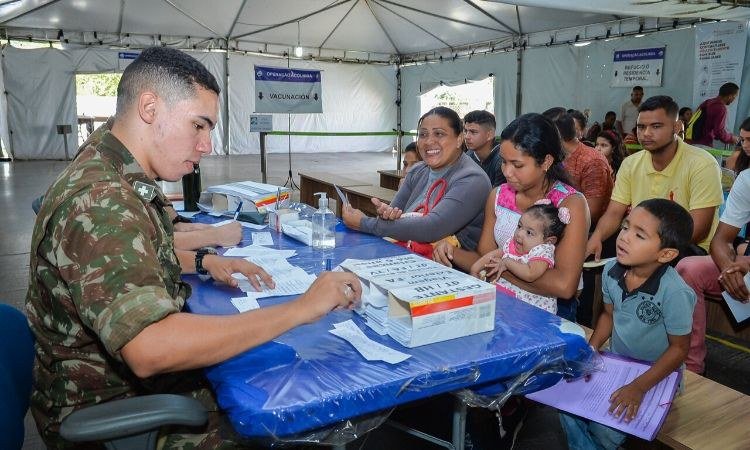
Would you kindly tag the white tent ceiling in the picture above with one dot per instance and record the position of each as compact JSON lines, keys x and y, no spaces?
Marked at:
{"x":373,"y":30}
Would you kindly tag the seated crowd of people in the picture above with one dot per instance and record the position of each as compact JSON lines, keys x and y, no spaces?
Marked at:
{"x":105,"y":297}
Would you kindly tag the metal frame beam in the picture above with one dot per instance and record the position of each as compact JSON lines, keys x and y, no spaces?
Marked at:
{"x":450,"y":19}
{"x":296,"y":19}
{"x":483,"y":11}
{"x":234,"y":22}
{"x":19,"y":15}
{"x":189,"y":16}
{"x":380,"y":24}
{"x":337,"y":25}
{"x":409,"y":21}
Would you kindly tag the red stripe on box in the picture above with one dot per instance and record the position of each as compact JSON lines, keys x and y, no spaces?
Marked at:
{"x":433,"y":308}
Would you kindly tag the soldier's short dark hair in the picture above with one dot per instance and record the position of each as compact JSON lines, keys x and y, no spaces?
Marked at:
{"x":664,"y":102}
{"x":675,"y":223}
{"x":481,"y":117}
{"x":169,"y":72}
{"x":728,"y":89}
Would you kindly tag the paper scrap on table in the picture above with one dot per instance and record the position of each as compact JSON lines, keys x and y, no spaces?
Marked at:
{"x":245,"y":303}
{"x":188,"y":214}
{"x":369,"y":349}
{"x":291,"y":285}
{"x":741,"y":311}
{"x":253,"y":226}
{"x":178,"y":205}
{"x":262,"y":238}
{"x":259,"y":250}
{"x":216,"y":214}
{"x":222,"y":223}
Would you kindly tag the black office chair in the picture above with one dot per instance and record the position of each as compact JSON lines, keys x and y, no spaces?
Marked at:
{"x":128,"y":424}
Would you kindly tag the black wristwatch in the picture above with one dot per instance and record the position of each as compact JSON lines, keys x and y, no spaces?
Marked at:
{"x":199,"y":259}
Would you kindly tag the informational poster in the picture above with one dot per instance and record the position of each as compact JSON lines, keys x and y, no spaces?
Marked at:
{"x":261,"y":122}
{"x":125,"y":58}
{"x":638,"y":67}
{"x":282,"y":90}
{"x":719,"y":57}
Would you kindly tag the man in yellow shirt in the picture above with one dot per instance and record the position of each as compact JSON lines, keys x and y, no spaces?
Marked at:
{"x":669,"y":168}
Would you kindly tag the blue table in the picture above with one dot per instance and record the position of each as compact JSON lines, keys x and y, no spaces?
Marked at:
{"x":309,"y":379}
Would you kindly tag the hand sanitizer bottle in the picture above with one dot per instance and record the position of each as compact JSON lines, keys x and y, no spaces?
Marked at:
{"x":323,"y":225}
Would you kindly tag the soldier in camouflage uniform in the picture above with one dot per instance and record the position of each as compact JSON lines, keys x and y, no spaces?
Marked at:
{"x":187,"y":235}
{"x":105,"y":298}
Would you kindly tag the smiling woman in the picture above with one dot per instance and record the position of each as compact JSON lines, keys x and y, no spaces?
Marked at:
{"x":441,"y":196}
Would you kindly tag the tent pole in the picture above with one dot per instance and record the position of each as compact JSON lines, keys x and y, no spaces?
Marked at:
{"x":227,"y":120}
{"x":519,"y":73}
{"x":399,"y":131}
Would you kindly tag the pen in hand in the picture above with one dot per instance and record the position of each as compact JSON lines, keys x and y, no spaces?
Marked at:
{"x":237,"y":211}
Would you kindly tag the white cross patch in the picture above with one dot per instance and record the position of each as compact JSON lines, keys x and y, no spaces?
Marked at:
{"x":142,"y":191}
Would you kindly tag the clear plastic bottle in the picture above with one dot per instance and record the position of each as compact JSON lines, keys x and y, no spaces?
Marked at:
{"x":323,"y":225}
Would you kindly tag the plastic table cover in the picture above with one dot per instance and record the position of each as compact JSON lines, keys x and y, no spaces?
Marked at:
{"x":308,"y":379}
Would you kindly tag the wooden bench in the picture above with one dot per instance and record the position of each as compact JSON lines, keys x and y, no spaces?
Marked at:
{"x":360,"y":197}
{"x":390,"y":179}
{"x":312,"y":182}
{"x":707,"y":415}
{"x":719,"y":318}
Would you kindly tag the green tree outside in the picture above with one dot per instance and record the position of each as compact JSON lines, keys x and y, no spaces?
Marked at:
{"x":98,"y":84}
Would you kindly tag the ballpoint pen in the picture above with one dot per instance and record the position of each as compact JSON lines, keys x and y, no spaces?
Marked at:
{"x":237,"y":212}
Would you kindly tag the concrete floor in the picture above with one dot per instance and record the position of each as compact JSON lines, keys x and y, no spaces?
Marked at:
{"x":22,"y":181}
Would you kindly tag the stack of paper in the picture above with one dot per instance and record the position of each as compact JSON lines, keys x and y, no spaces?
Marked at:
{"x":289,"y":279}
{"x":418,"y":301}
{"x":590,"y":398}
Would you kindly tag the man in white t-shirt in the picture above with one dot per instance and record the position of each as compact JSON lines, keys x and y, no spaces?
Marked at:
{"x":723,"y":270}
{"x":629,"y":111}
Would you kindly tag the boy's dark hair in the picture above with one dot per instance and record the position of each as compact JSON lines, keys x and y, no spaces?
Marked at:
{"x":412,"y":147}
{"x":664,"y":102}
{"x":683,"y":110}
{"x":610,"y":114}
{"x":170,"y":73}
{"x":480,"y":117}
{"x":550,"y":214}
{"x":728,"y":89}
{"x":563,"y":121}
{"x":675,"y":222}
{"x":638,"y":88}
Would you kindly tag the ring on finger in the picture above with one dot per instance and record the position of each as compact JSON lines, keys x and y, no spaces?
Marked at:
{"x":348,"y":291}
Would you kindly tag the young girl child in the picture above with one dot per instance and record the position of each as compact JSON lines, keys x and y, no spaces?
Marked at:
{"x":531,"y":251}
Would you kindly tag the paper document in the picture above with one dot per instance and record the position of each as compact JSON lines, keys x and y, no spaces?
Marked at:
{"x":222,"y":223}
{"x":286,"y":285}
{"x":369,"y":349}
{"x":592,"y":264}
{"x":253,"y":226}
{"x":245,"y":303}
{"x":258,"y":250}
{"x":262,"y":238}
{"x":590,"y":399}
{"x":741,"y":311}
{"x":344,"y":199}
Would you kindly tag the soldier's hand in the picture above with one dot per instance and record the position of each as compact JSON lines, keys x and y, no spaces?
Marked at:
{"x":330,"y":290}
{"x":221,"y":268}
{"x":228,"y":235}
{"x":183,"y":226}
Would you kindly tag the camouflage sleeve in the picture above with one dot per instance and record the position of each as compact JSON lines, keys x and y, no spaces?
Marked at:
{"x":106,"y":254}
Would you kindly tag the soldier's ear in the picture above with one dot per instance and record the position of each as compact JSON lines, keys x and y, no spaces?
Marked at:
{"x":147,"y":106}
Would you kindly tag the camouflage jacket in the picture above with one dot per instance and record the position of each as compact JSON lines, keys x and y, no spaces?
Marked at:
{"x":102,"y":269}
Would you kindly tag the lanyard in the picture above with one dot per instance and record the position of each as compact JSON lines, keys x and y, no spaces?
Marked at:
{"x":440,"y":185}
